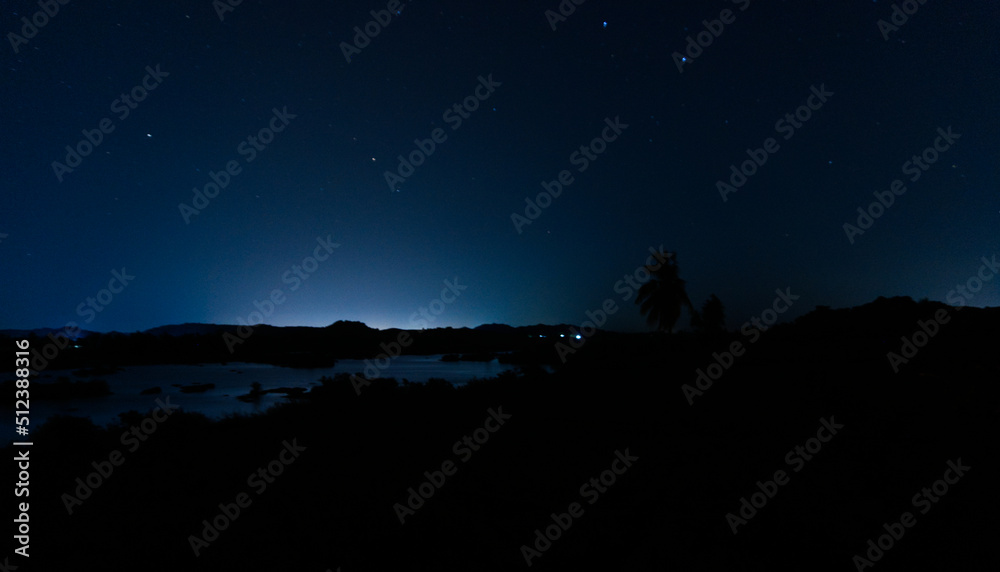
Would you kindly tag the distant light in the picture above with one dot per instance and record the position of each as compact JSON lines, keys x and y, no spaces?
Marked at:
{"x":578,"y":336}
{"x":562,"y":335}
{"x":149,"y":135}
{"x":605,"y":25}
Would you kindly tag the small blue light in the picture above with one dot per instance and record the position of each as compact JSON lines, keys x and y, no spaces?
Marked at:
{"x":605,"y":24}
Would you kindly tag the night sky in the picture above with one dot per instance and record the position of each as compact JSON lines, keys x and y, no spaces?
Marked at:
{"x":538,"y":94}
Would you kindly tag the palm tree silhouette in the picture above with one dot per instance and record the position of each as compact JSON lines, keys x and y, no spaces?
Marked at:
{"x":660,"y":299}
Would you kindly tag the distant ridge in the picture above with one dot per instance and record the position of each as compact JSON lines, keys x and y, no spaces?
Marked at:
{"x":880,"y":311}
{"x":186,"y":329}
{"x":494,"y":328}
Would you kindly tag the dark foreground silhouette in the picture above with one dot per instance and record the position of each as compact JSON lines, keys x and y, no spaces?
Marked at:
{"x":338,"y":466}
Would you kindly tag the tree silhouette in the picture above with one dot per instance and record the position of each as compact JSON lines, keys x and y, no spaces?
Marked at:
{"x":712,"y":317}
{"x":661,"y":298}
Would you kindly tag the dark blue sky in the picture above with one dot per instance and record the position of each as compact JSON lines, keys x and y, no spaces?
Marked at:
{"x":323,"y":174}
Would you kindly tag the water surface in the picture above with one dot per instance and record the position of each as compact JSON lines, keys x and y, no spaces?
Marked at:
{"x":231,"y":380}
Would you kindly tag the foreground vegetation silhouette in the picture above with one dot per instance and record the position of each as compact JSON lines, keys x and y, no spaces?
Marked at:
{"x":662,"y":297}
{"x":333,"y":507}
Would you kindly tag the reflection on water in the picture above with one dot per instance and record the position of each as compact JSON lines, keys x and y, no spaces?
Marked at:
{"x":231,"y":380}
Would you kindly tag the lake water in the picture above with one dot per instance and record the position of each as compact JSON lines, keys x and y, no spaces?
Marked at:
{"x":231,"y":380}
